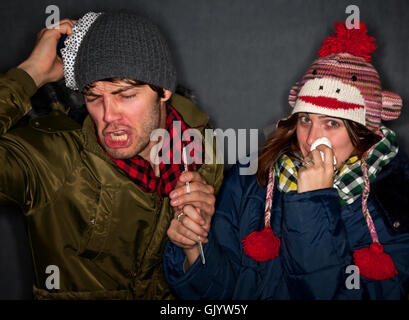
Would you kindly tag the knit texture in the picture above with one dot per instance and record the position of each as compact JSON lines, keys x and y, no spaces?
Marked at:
{"x":342,"y":83}
{"x":124,"y":45}
{"x":348,"y":179}
{"x":345,"y":85}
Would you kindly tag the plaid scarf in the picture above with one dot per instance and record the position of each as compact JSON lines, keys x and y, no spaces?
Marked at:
{"x":141,"y":172}
{"x":348,"y":179}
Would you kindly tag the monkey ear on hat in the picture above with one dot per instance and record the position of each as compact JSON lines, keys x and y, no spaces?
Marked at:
{"x":391,"y":105}
{"x":292,"y":97}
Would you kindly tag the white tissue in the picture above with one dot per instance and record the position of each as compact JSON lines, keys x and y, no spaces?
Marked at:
{"x":325,"y":142}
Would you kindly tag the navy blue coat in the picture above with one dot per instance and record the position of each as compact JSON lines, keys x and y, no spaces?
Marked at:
{"x":317,"y":235}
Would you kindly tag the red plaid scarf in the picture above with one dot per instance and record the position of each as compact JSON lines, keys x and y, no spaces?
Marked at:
{"x":140,"y":170}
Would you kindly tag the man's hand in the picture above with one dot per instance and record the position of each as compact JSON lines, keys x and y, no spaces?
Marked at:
{"x":43,"y":64}
{"x":201,"y":196}
{"x":193,"y":213}
{"x":184,"y":230}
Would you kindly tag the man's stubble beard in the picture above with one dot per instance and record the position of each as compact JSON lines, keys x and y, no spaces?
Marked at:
{"x":141,"y":141}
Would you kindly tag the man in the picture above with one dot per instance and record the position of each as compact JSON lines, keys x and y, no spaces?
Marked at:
{"x":97,"y":204}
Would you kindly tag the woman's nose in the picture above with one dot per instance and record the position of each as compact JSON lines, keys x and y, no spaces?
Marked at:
{"x":313,"y":134}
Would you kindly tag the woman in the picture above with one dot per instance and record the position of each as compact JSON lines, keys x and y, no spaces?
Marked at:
{"x":311,"y":226}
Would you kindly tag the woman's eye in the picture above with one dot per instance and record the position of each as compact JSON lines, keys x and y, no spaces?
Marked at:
{"x":333,"y":124}
{"x":304,"y":119}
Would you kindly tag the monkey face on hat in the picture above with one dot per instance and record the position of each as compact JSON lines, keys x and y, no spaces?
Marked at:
{"x":343,"y":83}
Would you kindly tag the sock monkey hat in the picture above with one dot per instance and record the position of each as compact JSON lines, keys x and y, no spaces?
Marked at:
{"x":343,"y":83}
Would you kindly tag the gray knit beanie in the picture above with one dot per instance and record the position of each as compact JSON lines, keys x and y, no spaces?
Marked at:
{"x":117,"y":44}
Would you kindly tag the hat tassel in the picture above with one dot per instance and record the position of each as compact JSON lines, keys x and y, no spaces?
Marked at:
{"x":261,"y":245}
{"x":373,"y":263}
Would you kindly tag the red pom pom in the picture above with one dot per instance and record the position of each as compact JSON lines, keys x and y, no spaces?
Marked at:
{"x":373,"y":263}
{"x":353,"y":41}
{"x":261,"y":245}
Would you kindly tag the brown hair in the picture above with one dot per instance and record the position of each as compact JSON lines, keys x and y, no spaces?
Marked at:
{"x":159,"y":91}
{"x":284,"y":141}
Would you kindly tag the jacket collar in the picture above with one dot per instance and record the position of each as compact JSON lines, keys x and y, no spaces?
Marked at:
{"x":90,"y":140}
{"x":194,"y":117}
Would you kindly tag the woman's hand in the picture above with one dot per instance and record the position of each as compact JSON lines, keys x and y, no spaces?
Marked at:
{"x":43,"y":64}
{"x":316,"y":174}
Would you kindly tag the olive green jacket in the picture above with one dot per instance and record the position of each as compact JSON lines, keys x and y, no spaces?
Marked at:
{"x":83,"y":213}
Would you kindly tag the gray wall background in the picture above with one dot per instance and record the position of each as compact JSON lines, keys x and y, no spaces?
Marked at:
{"x":240,"y":57}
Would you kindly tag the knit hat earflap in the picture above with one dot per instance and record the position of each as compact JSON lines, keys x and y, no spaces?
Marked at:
{"x":341,"y":83}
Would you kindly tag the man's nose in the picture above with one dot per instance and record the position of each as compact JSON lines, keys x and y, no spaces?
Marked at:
{"x":111,"y":110}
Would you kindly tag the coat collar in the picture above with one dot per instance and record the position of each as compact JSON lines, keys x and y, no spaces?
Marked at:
{"x":193,"y":116}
